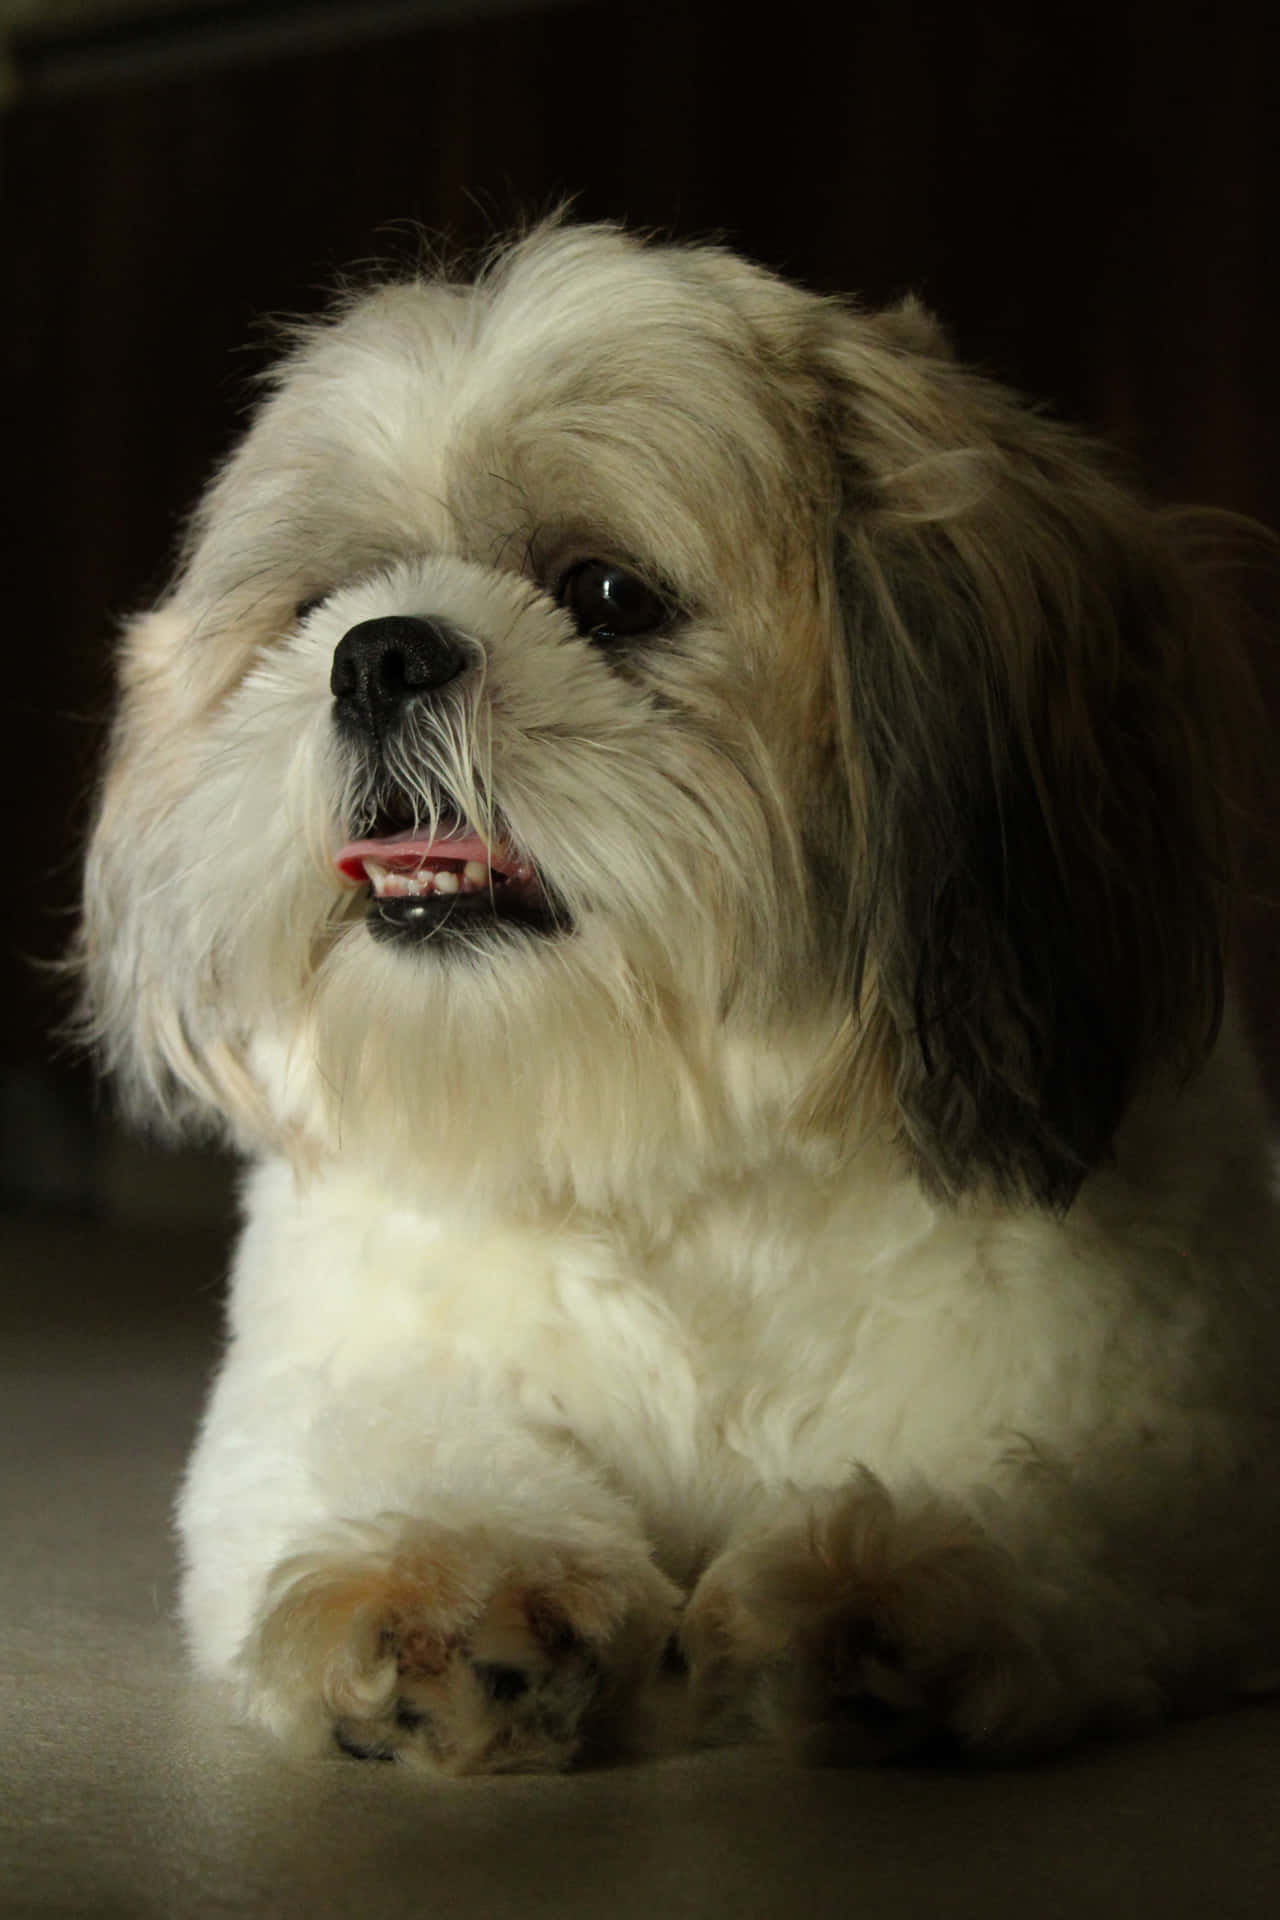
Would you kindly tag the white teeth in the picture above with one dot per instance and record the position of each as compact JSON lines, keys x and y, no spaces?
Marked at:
{"x":395,"y":884}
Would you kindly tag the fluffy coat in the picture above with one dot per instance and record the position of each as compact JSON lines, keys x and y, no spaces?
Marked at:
{"x":832,"y":1222}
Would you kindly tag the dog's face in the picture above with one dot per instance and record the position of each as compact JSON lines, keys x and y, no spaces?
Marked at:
{"x":629,"y":664}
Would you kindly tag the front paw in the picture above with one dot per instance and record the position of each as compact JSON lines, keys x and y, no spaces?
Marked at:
{"x":465,"y":1649}
{"x":856,"y":1631}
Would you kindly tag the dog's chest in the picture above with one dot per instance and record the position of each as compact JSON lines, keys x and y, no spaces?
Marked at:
{"x":732,"y":1349}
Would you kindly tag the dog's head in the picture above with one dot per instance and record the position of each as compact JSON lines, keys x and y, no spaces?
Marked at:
{"x":626,"y":694}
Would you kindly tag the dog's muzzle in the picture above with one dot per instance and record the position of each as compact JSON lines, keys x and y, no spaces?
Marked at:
{"x":422,"y":883}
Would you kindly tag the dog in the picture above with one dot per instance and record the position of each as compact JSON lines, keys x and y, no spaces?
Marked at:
{"x":684,"y":836}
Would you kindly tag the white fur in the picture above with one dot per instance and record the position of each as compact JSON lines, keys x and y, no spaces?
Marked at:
{"x":556,"y":1309}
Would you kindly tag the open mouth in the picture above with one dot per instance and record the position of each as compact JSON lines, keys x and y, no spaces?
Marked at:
{"x":425,"y":885}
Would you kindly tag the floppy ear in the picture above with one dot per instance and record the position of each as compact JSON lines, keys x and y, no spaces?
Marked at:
{"x":1033,"y":727}
{"x":145,"y":961}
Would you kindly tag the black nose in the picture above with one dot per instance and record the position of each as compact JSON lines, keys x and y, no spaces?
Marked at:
{"x":380,"y":665}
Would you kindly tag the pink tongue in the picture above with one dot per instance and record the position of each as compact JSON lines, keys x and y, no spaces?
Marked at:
{"x":407,"y":852}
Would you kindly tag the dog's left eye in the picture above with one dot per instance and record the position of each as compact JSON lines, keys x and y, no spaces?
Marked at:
{"x":609,"y":604}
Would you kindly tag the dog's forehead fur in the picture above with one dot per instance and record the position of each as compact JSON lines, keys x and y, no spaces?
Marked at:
{"x":658,"y":401}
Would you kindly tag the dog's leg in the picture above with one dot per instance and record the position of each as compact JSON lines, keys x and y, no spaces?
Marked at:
{"x":421,"y":1578}
{"x":393,"y":1542}
{"x":859,"y":1626}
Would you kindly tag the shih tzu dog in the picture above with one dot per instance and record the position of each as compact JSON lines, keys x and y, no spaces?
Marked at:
{"x":683,"y":834}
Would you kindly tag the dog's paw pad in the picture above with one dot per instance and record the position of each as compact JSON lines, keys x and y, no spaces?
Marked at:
{"x":500,"y":1682}
{"x":502,"y":1697}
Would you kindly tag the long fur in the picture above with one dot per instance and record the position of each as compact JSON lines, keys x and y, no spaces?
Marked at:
{"x":850,"y":1232}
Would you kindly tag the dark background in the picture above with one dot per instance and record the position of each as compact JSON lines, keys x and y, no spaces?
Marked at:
{"x":1088,"y":196}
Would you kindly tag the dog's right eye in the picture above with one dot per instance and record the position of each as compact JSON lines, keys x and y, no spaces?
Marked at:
{"x":608,"y":604}
{"x":305,"y":608}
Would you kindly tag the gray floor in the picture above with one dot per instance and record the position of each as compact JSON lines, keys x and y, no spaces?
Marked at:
{"x":123,"y":1792}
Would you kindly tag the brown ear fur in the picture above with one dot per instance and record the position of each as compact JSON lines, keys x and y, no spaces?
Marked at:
{"x":1036,"y":701}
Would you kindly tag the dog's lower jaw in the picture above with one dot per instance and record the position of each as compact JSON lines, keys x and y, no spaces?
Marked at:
{"x":470,"y":921}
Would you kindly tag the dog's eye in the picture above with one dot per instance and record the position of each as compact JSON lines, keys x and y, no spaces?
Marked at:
{"x":609,"y":604}
{"x":305,"y":608}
